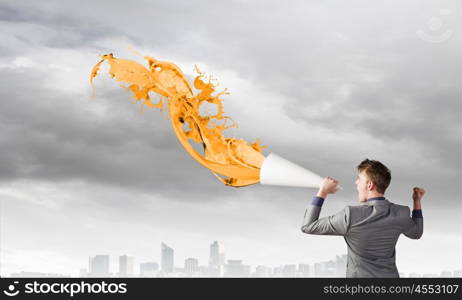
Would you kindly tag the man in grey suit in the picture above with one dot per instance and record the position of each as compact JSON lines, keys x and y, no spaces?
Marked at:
{"x":371,"y":229}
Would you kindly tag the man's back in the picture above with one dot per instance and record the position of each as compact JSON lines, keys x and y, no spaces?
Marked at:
{"x":370,"y":230}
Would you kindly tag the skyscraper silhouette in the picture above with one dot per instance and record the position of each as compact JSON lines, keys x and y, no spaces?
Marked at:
{"x":149,"y":269}
{"x":126,"y":266}
{"x":98,"y":266}
{"x":191,"y":266}
{"x":217,"y":259}
{"x":166,"y":263}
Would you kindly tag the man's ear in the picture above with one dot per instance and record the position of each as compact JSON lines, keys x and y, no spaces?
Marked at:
{"x":370,"y":185}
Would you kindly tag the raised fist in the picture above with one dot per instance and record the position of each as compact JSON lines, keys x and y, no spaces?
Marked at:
{"x":418,"y":193}
{"x":329,"y":186}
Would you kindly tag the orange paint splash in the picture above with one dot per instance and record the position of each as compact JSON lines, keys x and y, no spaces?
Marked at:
{"x":234,"y":162}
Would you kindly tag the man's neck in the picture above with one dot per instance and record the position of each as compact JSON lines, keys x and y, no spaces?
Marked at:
{"x":374,"y":195}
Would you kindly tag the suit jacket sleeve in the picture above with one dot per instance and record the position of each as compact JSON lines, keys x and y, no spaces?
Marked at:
{"x":332,"y":225}
{"x":413,"y":226}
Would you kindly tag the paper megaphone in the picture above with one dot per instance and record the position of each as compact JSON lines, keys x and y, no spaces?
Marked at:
{"x":276,"y":170}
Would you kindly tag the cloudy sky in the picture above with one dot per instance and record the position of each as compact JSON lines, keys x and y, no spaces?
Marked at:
{"x":322,"y":83}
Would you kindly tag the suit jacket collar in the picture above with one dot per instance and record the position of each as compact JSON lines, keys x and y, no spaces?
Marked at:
{"x":374,"y":201}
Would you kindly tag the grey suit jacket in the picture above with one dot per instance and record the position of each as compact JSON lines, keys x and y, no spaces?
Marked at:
{"x":370,"y":231}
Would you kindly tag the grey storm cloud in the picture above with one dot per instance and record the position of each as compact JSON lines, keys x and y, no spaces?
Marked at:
{"x":29,"y":27}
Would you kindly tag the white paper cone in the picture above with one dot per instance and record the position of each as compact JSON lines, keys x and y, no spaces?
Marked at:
{"x":276,"y":170}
